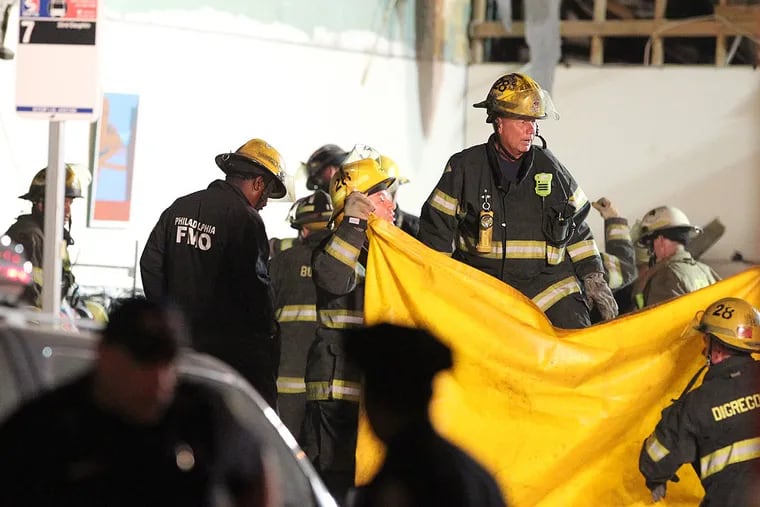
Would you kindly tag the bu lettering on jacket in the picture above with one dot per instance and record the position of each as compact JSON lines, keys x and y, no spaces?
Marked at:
{"x":194,"y":233}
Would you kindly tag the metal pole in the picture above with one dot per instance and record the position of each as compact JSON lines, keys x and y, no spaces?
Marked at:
{"x":54,"y":200}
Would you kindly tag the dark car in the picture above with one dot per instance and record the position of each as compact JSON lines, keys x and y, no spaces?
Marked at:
{"x":35,"y":356}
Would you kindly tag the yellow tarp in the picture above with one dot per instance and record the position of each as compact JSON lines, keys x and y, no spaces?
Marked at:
{"x":557,"y":416}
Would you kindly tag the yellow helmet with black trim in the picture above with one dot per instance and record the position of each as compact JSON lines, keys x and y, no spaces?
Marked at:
{"x":391,"y":168}
{"x":733,"y":322}
{"x":255,"y":156}
{"x":517,"y":95}
{"x":363,"y":175}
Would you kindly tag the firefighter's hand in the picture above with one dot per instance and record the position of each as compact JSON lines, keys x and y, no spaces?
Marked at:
{"x":605,"y":208}
{"x":600,"y":294}
{"x":358,"y":205}
{"x":658,"y":493}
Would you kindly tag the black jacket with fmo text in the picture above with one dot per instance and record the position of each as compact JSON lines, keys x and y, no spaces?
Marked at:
{"x":716,"y":429}
{"x":521,"y":254}
{"x":209,"y":253}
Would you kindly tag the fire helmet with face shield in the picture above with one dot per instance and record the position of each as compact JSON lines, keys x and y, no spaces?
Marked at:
{"x":519,"y":96}
{"x":361,"y":173}
{"x":668,"y":221}
{"x":733,"y":322}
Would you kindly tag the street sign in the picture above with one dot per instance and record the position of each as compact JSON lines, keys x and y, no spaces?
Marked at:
{"x":57,"y":60}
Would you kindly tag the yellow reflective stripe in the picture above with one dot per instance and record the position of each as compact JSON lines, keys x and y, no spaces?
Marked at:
{"x":291,"y":385}
{"x":578,"y":199}
{"x":297,"y":313}
{"x":737,"y":452}
{"x":554,"y":255}
{"x":37,"y":275}
{"x":341,"y":319}
{"x":614,"y":270}
{"x":335,"y":390}
{"x":582,"y":250}
{"x":555,"y":292}
{"x":516,"y":249}
{"x":618,"y":232}
{"x":655,"y":449}
{"x":343,"y":251}
{"x":444,"y":203}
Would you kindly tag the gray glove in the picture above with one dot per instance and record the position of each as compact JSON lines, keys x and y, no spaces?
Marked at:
{"x":599,"y":293}
{"x":658,"y":493}
{"x":605,"y":208}
{"x":358,"y":205}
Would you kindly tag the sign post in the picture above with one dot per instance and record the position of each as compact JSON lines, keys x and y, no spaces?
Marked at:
{"x":56,"y":80}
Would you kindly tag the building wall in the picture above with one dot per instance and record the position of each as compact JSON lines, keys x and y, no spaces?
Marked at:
{"x":219,"y":79}
{"x":644,"y":137}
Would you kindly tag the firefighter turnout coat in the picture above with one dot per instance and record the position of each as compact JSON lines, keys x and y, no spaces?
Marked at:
{"x":209,"y":254}
{"x":332,"y":382}
{"x":530,"y":233}
{"x":295,"y":302}
{"x":715,"y":428}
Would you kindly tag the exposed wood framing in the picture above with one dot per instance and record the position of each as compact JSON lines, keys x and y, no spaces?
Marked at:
{"x":477,"y":43}
{"x":729,"y":20}
{"x":597,"y":41}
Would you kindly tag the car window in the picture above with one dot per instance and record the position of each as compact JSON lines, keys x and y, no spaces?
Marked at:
{"x":295,"y":486}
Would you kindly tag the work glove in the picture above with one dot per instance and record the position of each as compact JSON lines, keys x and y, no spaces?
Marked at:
{"x":658,"y":493}
{"x":599,"y":293}
{"x":605,"y":208}
{"x":358,"y":205}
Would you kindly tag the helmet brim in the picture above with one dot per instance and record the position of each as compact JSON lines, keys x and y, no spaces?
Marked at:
{"x":248,"y":167}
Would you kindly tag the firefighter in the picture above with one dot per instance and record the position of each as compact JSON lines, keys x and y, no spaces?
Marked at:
{"x":28,"y":230}
{"x":320,"y":167}
{"x":715,"y":427}
{"x":618,"y":257}
{"x":665,"y":231}
{"x":295,"y":301}
{"x":209,"y":253}
{"x":359,"y":189}
{"x":407,"y":222}
{"x":420,"y":466}
{"x":512,"y":210}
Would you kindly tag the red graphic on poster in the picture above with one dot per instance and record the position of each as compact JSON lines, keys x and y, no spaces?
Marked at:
{"x":73,"y":9}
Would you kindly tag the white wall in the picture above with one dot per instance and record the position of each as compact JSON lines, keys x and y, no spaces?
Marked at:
{"x":643,"y":137}
{"x":205,"y":92}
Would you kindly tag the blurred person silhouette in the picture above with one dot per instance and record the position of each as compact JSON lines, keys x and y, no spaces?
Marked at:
{"x":295,"y":300}
{"x":209,"y":253}
{"x":421,"y":468}
{"x":130,"y":432}
{"x":358,"y":191}
{"x":666,"y":231}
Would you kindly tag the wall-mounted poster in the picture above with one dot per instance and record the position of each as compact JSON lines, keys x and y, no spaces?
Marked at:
{"x":111,"y":193}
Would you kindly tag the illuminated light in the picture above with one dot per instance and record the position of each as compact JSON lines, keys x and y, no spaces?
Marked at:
{"x":5,"y":240}
{"x":47,"y":352}
{"x":28,"y":267}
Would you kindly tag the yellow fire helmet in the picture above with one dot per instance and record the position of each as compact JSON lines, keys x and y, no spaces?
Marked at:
{"x":357,"y":174}
{"x":518,"y":96}
{"x":251,"y":159}
{"x":733,"y":322}
{"x":36,"y":193}
{"x":665,"y":218}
